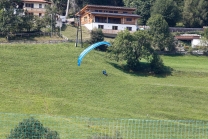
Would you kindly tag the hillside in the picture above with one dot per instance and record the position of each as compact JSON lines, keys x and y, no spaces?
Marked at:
{"x":45,"y":79}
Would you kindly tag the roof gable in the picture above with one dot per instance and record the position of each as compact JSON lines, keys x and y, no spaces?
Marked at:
{"x":104,"y":7}
{"x":39,"y":1}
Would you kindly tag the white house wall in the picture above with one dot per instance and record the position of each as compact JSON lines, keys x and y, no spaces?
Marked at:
{"x":198,"y":42}
{"x":36,"y":5}
{"x":109,"y":26}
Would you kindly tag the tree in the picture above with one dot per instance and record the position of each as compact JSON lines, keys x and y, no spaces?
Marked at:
{"x":206,"y":33}
{"x":10,"y":21}
{"x":131,"y":47}
{"x":159,"y":30}
{"x":142,"y":8}
{"x":168,"y":9}
{"x":195,"y":13}
{"x":96,"y":35}
{"x":32,"y":129}
{"x":204,"y":41}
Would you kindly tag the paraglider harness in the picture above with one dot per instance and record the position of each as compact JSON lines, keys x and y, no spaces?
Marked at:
{"x":105,"y":73}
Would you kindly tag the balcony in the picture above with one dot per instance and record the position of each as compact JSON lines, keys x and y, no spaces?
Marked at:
{"x":35,"y":10}
{"x":110,"y":31}
{"x":107,"y":20}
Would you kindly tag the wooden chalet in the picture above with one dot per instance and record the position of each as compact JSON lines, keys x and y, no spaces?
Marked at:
{"x":111,"y":19}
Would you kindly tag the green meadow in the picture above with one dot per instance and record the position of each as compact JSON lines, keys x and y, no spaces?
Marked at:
{"x":44,"y":79}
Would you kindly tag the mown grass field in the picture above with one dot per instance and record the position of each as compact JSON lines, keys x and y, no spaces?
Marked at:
{"x":45,"y":79}
{"x":32,"y":38}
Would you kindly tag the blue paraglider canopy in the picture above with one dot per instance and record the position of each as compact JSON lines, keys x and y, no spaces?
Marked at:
{"x":88,"y":49}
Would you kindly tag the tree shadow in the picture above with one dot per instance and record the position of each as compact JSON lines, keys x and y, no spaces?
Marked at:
{"x":144,"y":70}
{"x":174,"y":55}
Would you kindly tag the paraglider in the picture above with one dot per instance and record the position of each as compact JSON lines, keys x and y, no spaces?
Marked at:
{"x":88,"y":49}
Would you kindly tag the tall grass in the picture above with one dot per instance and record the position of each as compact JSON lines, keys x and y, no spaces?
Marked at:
{"x":45,"y":79}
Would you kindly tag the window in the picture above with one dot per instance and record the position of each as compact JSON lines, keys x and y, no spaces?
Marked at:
{"x":96,"y":10}
{"x":114,"y":27}
{"x":31,"y":5}
{"x":40,"y":5}
{"x":101,"y":26}
{"x":129,"y":28}
{"x":125,"y":12}
{"x":85,"y":19}
{"x":128,"y":19}
{"x":100,"y":19}
{"x":100,"y":10}
{"x":115,"y":11}
{"x":114,"y":20}
{"x":110,"y":11}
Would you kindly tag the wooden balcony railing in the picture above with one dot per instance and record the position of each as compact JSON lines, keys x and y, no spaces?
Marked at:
{"x":41,"y":10}
{"x":110,"y":31}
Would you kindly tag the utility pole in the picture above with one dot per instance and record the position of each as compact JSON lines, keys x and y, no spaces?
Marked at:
{"x":79,"y":29}
{"x":51,"y":24}
{"x":67,"y":9}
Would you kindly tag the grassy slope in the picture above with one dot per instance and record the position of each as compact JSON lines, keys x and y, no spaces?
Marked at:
{"x":45,"y":79}
{"x":71,"y":32}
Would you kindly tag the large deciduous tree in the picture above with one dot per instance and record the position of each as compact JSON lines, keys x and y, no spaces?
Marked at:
{"x":131,"y":47}
{"x":195,"y":13}
{"x":159,"y":30}
{"x":168,"y":9}
{"x":10,"y":18}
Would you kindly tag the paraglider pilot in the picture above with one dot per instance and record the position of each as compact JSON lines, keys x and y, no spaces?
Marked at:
{"x":105,"y":73}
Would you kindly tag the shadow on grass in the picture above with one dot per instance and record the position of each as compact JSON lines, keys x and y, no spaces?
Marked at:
{"x":144,"y":70}
{"x":174,"y":55}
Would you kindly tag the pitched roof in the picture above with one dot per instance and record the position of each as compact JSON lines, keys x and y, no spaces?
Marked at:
{"x":42,"y":1}
{"x":105,"y":7}
{"x":115,"y":14}
{"x":110,"y":7}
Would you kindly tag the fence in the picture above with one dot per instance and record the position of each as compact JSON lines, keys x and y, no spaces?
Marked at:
{"x":101,"y":128}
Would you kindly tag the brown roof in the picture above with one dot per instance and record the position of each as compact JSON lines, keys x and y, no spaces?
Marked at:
{"x":187,"y":37}
{"x":114,"y":14}
{"x":110,"y":7}
{"x":42,"y":1}
{"x":105,"y":7}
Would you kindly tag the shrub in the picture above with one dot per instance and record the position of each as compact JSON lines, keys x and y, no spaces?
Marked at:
{"x":32,"y":129}
{"x":156,"y":64}
{"x":186,"y":48}
{"x":97,"y":36}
